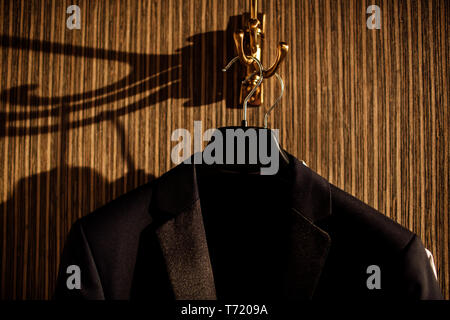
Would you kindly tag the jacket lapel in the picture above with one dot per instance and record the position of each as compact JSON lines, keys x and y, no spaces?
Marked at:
{"x":182,"y":237}
{"x":183,"y":242}
{"x":309,"y":244}
{"x":184,"y":247}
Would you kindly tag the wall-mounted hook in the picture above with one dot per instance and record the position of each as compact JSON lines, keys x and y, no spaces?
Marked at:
{"x":249,"y":43}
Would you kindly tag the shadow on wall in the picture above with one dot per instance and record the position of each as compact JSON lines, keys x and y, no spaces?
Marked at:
{"x":192,"y":72}
{"x":42,"y":207}
{"x":34,"y":239}
{"x":41,"y":210}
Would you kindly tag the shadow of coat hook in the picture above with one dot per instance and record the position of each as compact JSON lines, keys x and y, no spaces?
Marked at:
{"x":185,"y":74}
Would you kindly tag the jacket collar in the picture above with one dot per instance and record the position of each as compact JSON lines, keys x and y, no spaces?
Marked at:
{"x":183,"y":242}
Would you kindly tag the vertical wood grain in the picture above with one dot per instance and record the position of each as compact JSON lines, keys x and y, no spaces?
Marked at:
{"x":87,"y":115}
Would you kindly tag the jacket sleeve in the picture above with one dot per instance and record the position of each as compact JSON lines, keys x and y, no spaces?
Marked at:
{"x":418,"y":279}
{"x":77,"y":262}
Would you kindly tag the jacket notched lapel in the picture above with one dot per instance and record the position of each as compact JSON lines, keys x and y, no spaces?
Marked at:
{"x":309,"y":244}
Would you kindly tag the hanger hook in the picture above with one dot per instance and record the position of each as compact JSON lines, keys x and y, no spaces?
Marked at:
{"x":266,"y":115}
{"x":244,"y":120}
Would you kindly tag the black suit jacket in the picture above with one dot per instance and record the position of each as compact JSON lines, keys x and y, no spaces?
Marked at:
{"x":193,"y":235}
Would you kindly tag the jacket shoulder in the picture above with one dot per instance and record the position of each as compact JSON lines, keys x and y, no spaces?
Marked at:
{"x":124,"y":213}
{"x":105,"y":243}
{"x":361,"y":221}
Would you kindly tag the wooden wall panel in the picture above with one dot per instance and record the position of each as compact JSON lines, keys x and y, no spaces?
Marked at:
{"x":87,"y":115}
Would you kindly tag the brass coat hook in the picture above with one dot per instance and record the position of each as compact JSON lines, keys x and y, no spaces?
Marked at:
{"x":249,"y":42}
